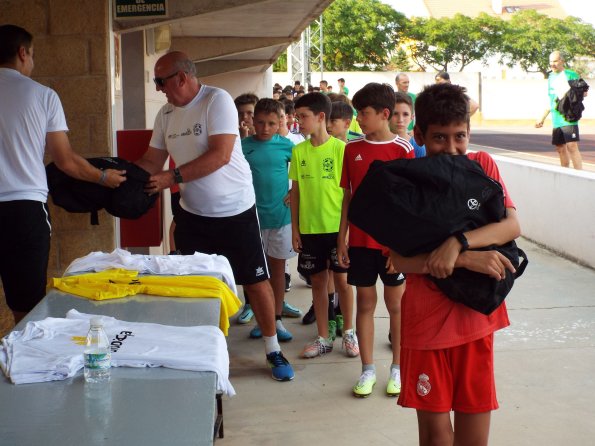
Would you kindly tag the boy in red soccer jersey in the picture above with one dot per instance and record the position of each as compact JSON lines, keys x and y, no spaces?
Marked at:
{"x":446,"y":347}
{"x":374,"y":104}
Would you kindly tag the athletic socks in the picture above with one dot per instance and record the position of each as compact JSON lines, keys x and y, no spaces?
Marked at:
{"x":279,"y":325}
{"x":271,"y":344}
{"x":368,"y":367}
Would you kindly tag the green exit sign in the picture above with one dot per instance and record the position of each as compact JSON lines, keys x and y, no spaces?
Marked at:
{"x":127,"y":9}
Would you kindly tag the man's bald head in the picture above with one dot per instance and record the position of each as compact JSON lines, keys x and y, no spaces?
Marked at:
{"x":176,"y":61}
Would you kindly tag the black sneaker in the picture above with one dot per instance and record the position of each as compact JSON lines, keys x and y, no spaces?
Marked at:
{"x":287,"y":282}
{"x":310,"y":316}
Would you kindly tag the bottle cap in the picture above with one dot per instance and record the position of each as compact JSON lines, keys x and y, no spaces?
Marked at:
{"x":96,"y":321}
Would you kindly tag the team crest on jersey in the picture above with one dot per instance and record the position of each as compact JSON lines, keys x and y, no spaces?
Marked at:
{"x":303,"y":163}
{"x":328,"y":165}
{"x":197,"y":129}
{"x":423,"y":385}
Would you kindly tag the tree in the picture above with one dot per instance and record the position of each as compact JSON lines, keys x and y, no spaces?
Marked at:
{"x":399,"y":61}
{"x":281,"y":62}
{"x":359,"y":35}
{"x":530,"y":37}
{"x":457,"y":41}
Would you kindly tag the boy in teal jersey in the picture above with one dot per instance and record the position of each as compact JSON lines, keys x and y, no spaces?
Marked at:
{"x":268,"y":154}
{"x":316,"y":199}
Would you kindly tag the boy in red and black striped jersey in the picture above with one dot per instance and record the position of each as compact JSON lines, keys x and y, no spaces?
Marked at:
{"x":446,"y":347}
{"x":374,"y":104}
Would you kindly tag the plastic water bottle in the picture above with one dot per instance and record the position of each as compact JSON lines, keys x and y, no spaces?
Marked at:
{"x":97,"y":353}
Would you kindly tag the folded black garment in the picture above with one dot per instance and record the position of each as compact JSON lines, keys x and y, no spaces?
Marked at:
{"x":413,"y":205}
{"x":129,"y":200}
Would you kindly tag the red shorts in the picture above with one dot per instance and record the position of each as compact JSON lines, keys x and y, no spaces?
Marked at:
{"x":458,"y":378}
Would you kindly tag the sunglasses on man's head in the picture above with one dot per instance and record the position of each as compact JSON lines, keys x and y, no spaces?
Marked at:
{"x":160,"y":81}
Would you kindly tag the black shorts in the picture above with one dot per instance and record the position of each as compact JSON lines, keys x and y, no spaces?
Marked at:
{"x":565,"y":134}
{"x":175,"y":204}
{"x":366,"y":265}
{"x":236,"y":237}
{"x":319,"y":252}
{"x":25,"y":232}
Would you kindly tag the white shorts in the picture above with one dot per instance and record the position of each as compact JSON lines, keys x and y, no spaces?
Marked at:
{"x":277,"y":242}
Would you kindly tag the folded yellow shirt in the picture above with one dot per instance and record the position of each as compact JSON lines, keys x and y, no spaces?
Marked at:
{"x":117,"y":283}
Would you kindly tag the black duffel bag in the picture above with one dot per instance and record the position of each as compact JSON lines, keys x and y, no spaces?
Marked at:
{"x":413,"y":205}
{"x":480,"y":291}
{"x":129,"y":200}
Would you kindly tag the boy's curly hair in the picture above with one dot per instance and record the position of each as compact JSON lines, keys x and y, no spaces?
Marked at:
{"x":441,"y":104}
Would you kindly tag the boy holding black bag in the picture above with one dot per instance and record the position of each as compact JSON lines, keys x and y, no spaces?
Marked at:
{"x":447,"y":347}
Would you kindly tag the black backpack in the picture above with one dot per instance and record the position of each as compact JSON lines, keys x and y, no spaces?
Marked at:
{"x":413,"y":205}
{"x":571,"y":105}
{"x":129,"y":200}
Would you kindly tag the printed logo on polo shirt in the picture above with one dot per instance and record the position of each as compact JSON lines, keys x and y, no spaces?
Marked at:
{"x":358,"y":157}
{"x":473,"y":204}
{"x":197,"y":129}
{"x":423,"y":385}
{"x":259,"y":271}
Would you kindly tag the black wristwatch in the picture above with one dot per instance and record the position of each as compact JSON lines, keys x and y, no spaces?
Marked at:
{"x":462,"y":240}
{"x":178,"y":176}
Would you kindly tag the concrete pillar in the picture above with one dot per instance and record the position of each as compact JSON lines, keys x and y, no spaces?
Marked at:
{"x":133,"y":80}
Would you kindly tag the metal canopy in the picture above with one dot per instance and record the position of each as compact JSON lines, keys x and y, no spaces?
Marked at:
{"x":232,"y":35}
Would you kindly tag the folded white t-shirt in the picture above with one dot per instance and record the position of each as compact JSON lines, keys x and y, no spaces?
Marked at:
{"x":52,"y":349}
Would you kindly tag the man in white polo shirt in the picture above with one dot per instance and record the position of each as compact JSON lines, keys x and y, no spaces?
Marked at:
{"x":31,"y":121}
{"x":198,"y":128}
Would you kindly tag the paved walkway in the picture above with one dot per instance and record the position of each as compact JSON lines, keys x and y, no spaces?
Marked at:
{"x":528,"y":143}
{"x":545,"y":371}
